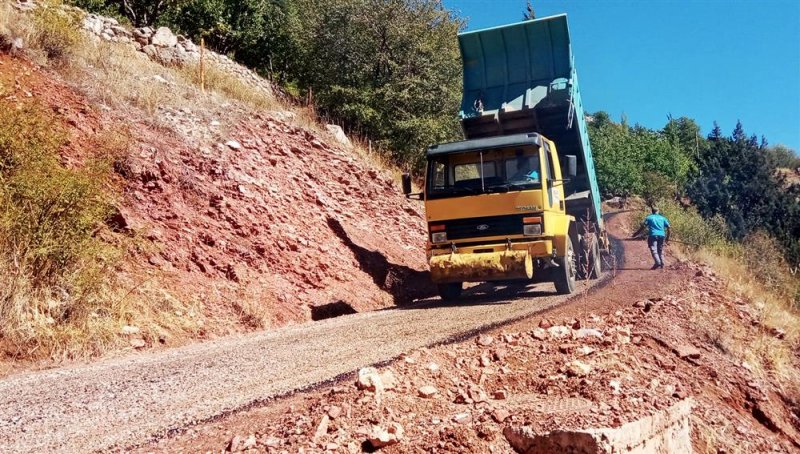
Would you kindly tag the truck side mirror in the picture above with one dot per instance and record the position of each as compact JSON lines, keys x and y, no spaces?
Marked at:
{"x":572,"y":166}
{"x":406,"y":184}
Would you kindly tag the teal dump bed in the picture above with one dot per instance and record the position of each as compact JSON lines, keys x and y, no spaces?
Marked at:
{"x":521,"y":78}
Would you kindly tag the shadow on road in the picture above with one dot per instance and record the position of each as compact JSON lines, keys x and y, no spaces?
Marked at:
{"x":487,"y":293}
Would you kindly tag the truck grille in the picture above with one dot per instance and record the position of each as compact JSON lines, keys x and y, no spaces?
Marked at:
{"x":458,"y":229}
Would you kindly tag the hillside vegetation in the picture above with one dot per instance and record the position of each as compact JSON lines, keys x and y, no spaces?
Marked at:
{"x":734,"y":182}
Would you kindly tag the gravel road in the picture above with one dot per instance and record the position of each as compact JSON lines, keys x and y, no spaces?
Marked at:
{"x":124,"y":402}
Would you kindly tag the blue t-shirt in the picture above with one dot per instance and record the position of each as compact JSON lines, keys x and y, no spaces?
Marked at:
{"x":657,"y":224}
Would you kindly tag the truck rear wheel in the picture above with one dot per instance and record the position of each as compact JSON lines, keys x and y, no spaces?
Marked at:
{"x":589,"y":264}
{"x":566,"y":272}
{"x":451,"y":291}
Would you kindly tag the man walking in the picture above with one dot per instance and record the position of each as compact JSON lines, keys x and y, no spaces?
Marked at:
{"x":658,"y":227}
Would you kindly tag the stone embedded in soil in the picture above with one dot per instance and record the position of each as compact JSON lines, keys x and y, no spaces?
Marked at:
{"x":233,"y":145}
{"x":249,"y":443}
{"x":539,"y":334}
{"x":687,"y":351}
{"x":558,"y":332}
{"x":322,"y":428}
{"x":369,"y":379}
{"x":485,"y":340}
{"x":462,"y":418}
{"x":138,"y":343}
{"x":238,"y":444}
{"x":500,"y":394}
{"x":500,"y":415}
{"x":164,"y":38}
{"x":130,"y":330}
{"x":578,"y":369}
{"x":587,"y":333}
{"x":388,"y":380}
{"x":335,"y":411}
{"x":380,"y":437}
{"x":427,"y":391}
{"x":272,"y":442}
{"x":545,"y":323}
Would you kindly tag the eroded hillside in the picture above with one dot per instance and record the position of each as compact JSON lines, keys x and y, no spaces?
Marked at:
{"x":235,"y":211}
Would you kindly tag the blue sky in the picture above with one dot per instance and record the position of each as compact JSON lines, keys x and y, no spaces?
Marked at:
{"x":708,"y":60}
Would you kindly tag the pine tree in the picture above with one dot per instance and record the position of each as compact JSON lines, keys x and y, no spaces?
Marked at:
{"x":738,"y":132}
{"x":716,"y":132}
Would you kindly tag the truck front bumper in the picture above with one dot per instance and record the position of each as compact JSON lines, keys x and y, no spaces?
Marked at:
{"x":481,"y":267}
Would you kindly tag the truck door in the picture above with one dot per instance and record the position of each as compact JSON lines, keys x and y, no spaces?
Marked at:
{"x":555,"y":187}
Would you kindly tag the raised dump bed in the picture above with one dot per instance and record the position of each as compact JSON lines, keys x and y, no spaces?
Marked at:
{"x":521,"y":78}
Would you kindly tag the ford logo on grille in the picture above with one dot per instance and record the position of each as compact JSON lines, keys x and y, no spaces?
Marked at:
{"x":482,"y":227}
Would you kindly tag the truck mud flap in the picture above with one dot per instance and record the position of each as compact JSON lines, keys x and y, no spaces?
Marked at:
{"x":488,"y":266}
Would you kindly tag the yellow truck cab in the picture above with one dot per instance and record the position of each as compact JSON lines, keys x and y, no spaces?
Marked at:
{"x":518,"y":199}
{"x":496,"y":211}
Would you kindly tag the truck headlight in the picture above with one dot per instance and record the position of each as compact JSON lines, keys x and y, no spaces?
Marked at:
{"x":439,"y":237}
{"x":532,"y":229}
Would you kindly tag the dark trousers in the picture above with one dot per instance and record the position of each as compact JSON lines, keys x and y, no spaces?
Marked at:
{"x":656,"y":245}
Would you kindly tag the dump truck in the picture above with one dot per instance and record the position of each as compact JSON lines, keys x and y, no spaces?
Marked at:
{"x":518,"y":198}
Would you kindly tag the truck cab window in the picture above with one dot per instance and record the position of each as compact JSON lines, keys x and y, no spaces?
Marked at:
{"x":438,"y":175}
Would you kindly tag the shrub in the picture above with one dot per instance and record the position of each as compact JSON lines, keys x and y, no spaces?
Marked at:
{"x":52,"y":262}
{"x":56,"y":32}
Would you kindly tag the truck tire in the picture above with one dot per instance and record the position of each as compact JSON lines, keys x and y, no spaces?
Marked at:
{"x":566,"y":272}
{"x":451,"y":291}
{"x":589,"y":262}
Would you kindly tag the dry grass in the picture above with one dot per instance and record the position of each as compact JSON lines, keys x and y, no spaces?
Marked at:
{"x":768,"y":355}
{"x":228,"y":84}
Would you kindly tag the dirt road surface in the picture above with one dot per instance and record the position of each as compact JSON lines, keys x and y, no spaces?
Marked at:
{"x":124,"y":402}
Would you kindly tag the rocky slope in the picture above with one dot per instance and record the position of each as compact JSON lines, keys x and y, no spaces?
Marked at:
{"x":247,"y":217}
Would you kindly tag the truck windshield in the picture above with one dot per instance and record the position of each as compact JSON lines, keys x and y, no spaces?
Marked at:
{"x":500,"y":170}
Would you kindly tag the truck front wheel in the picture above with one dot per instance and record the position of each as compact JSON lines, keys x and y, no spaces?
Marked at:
{"x":451,"y":291}
{"x":566,"y":272}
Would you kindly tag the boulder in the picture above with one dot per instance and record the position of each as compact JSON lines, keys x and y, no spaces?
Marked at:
{"x":164,"y":37}
{"x":338,"y":134}
{"x":150,"y":50}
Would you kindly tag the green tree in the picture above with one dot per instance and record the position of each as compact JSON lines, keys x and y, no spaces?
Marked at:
{"x":139,"y":12}
{"x":736,"y":180}
{"x":387,"y":68}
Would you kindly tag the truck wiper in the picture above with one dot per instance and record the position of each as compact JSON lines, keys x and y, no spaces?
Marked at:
{"x":498,"y":188}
